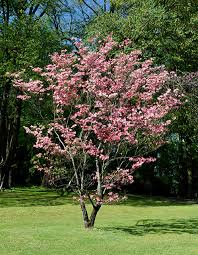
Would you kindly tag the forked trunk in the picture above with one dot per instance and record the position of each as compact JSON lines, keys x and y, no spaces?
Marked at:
{"x":88,"y":222}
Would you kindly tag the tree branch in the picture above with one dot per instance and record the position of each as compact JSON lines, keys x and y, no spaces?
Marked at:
{"x":94,"y":206}
{"x":89,"y":7}
{"x":35,"y":9}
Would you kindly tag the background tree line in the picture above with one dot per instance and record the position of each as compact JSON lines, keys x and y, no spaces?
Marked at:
{"x":164,"y":30}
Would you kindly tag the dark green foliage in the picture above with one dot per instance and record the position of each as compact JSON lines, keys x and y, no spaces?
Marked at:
{"x":26,"y":40}
{"x":164,"y":30}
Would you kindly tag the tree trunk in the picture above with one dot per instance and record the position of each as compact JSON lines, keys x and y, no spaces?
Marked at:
{"x":88,"y":222}
{"x":190,"y":189}
{"x":45,"y":180}
{"x":10,"y":113}
{"x":84,"y":212}
{"x":2,"y":177}
{"x":10,"y":178}
{"x":93,"y":215}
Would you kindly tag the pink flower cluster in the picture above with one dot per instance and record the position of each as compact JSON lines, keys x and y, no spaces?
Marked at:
{"x":139,"y":161}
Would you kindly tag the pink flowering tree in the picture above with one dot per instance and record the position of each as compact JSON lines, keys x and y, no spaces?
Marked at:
{"x":106,"y":104}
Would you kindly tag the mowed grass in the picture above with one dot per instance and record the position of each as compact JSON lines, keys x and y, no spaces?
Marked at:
{"x":39,"y":222}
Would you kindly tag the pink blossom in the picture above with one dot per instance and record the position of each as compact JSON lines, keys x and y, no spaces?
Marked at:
{"x":23,"y":97}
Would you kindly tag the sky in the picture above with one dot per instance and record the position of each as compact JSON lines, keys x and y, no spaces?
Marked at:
{"x":82,"y":13}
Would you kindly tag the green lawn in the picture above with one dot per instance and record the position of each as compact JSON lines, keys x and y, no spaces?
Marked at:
{"x":37,"y":222}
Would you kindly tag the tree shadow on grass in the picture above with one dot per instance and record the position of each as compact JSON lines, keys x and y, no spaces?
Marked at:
{"x":152,"y":226}
{"x":33,"y":197}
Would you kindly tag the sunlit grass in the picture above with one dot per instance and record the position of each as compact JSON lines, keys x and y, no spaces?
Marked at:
{"x":38,"y":222}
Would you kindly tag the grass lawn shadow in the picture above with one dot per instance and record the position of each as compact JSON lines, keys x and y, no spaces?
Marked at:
{"x":20,"y":197}
{"x":144,"y":201}
{"x":154,"y":226}
{"x":32,"y":197}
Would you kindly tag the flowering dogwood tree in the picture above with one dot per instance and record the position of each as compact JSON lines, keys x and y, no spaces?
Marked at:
{"x":105,"y":104}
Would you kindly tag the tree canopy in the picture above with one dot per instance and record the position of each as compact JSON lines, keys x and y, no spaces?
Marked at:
{"x":165,"y":30}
